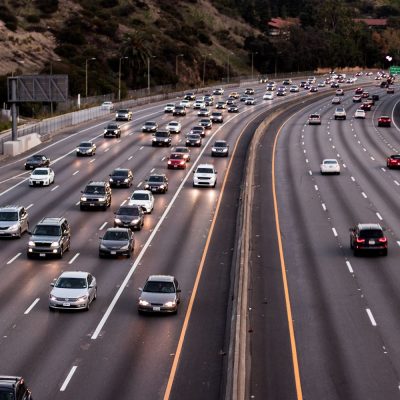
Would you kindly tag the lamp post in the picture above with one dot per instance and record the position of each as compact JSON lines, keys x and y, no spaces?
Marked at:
{"x":86,"y":74}
{"x":227,"y":72}
{"x":51,"y":73}
{"x":204,"y":66}
{"x":176,"y":63}
{"x":119,"y":76}
{"x":148,"y":73}
{"x":252,"y":64}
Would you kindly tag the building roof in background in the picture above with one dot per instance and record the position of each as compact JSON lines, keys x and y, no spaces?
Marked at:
{"x":372,"y":21}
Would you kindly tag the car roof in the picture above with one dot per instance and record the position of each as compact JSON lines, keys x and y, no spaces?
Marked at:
{"x":220,"y":141}
{"x":369,"y":226}
{"x":96,"y":183}
{"x":142,"y":191}
{"x":74,"y":274}
{"x":205,"y":166}
{"x":117,"y":229}
{"x":163,"y":278}
{"x":10,"y":208}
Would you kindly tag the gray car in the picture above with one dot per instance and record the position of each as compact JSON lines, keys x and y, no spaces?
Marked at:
{"x":117,"y":242}
{"x":13,"y":221}
{"x":161,"y":293}
{"x":73,"y":290}
{"x":86,"y":149}
{"x":129,"y":217}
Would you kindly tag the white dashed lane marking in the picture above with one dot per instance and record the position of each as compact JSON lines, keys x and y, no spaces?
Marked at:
{"x":371,"y":317}
{"x":28,"y":310}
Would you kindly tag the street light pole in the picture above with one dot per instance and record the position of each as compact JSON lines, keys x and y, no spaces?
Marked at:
{"x":204,"y":66}
{"x":86,"y":74}
{"x":176,"y":63}
{"x":252,"y":64}
{"x":119,"y":77}
{"x":227,"y":72}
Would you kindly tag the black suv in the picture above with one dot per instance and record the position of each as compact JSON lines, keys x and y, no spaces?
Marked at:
{"x":368,"y":237}
{"x":129,"y":217}
{"x":157,"y":183}
{"x":51,"y":236}
{"x":96,"y":194}
{"x":14,"y":388}
{"x":161,"y":138}
{"x":121,"y":177}
{"x":112,"y":130}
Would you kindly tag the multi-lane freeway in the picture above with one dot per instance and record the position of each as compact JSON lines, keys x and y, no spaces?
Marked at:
{"x":191,"y":234}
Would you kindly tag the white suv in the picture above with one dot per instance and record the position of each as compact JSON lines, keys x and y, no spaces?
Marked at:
{"x":142,"y":198}
{"x":205,"y":175}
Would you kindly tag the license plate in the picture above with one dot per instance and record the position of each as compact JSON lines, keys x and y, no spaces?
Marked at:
{"x":156,"y":308}
{"x":66,"y":304}
{"x":42,"y":255}
{"x":175,"y":166}
{"x":92,"y":204}
{"x":113,"y":252}
{"x":371,"y":242}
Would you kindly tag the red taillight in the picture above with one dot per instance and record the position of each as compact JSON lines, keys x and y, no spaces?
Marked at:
{"x":382,"y":240}
{"x":358,"y":240}
{"x":182,"y":162}
{"x":169,"y":162}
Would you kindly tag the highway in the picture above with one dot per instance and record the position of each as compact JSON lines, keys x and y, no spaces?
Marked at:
{"x":342,"y":310}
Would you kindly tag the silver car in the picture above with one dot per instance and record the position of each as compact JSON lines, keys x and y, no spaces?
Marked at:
{"x":13,"y":221}
{"x":161,"y":293}
{"x":73,"y":290}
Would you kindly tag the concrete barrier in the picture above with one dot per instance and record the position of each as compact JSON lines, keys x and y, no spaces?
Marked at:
{"x":24,"y":143}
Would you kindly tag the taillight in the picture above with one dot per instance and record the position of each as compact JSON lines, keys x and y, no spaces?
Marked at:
{"x":358,"y":240}
{"x":182,"y":162}
{"x":382,"y":240}
{"x":169,"y":162}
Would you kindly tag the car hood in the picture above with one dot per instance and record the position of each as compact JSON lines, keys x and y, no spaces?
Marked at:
{"x":7,"y":224}
{"x":155,"y":184}
{"x":39,"y":177}
{"x":203,"y":175}
{"x":127,"y":218}
{"x":85,"y":149}
{"x":44,"y":238}
{"x":68,"y":293}
{"x":158,"y":297}
{"x":114,"y":244}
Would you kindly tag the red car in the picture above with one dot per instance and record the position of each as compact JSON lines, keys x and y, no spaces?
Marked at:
{"x":365,"y":95}
{"x":393,"y":161}
{"x":359,"y":91}
{"x":384,"y":121}
{"x":366,"y":106}
{"x":176,"y":160}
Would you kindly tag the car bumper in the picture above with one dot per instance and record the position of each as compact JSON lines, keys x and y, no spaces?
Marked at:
{"x":208,"y":183}
{"x":219,"y":154}
{"x":130,"y":225}
{"x":68,"y":305}
{"x":39,"y":183}
{"x":92,"y":204}
{"x":157,"y":309}
{"x":43,"y":252}
{"x":9,"y":233}
{"x":113,"y":253}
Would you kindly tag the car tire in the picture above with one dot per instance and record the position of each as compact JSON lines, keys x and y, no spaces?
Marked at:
{"x":95,"y":294}
{"x":82,"y":208}
{"x":19,"y":233}
{"x":60,"y":255}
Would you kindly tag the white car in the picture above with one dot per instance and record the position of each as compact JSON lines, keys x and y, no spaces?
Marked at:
{"x":142,"y":198}
{"x":174,"y":127}
{"x":107,"y":105}
{"x":198,"y":104}
{"x":250,"y":101}
{"x":185,"y":103}
{"x":336,"y":100}
{"x":294,"y":89}
{"x":340,"y":113}
{"x":41,"y":177}
{"x":169,"y":108}
{"x":359,"y":114}
{"x":268,"y":96}
{"x":330,"y":166}
{"x":205,"y":175}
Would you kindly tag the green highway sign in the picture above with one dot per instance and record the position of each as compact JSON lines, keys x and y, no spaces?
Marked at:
{"x":395,"y":70}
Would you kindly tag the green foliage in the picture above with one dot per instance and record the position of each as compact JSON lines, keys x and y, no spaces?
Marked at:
{"x":47,"y":6}
{"x":33,"y":18}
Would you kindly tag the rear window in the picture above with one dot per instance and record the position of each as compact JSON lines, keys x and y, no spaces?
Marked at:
{"x":371,"y":233}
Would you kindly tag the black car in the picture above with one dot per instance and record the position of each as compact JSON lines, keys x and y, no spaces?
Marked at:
{"x":233,"y":109}
{"x":121,"y":177}
{"x":368,"y":238}
{"x":112,"y":130}
{"x":157,"y":183}
{"x":206,"y":123}
{"x":14,"y":388}
{"x":179,"y":111}
{"x":220,"y":149}
{"x":189,"y":96}
{"x":217,"y":117}
{"x":150,"y":126}
{"x":375,"y":97}
{"x":129,"y":217}
{"x":37,"y":160}
{"x":161,"y":138}
{"x":199,"y":129}
{"x":96,"y":195}
{"x":117,"y":242}
{"x":193,"y":139}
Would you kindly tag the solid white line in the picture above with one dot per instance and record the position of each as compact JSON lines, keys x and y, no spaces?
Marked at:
{"x":13,"y":259}
{"x":310,"y":172}
{"x":102,"y":227}
{"x":68,"y":378}
{"x":74,"y":258}
{"x":105,"y":151}
{"x":383,"y":169}
{"x":139,"y":184}
{"x":364,"y":195}
{"x":349,"y":267}
{"x":28,"y":310}
{"x":379,"y":216}
{"x":30,"y":205}
{"x":305,"y":151}
{"x":76,"y":172}
{"x":54,"y":188}
{"x":334,"y":232}
{"x":371,"y":317}
{"x":316,"y":187}
{"x":398,"y":243}
{"x":397,"y":183}
{"x":323,"y":206}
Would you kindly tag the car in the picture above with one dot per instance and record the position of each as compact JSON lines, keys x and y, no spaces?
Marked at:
{"x":208,"y":101}
{"x":243,"y":97}
{"x":365,"y":95}
{"x":294,"y":89}
{"x":41,"y":177}
{"x":250,"y":101}
{"x":393,"y":161}
{"x":303,"y":83}
{"x":357,"y":98}
{"x":205,"y":175}
{"x":169,"y":108}
{"x":107,"y":105}
{"x":340,"y":113}
{"x":150,"y":126}
{"x":281,"y":91}
{"x":368,"y":238}
{"x":359,"y":91}
{"x":366,"y":106}
{"x":142,"y":198}
{"x":233,"y":109}
{"x":37,"y":160}
{"x":157,"y":183}
{"x":189,"y":96}
{"x":217,"y":117}
{"x":268,"y":96}
{"x":193,"y":139}
{"x":131,"y":217}
{"x":390,"y":90}
{"x":360,"y":113}
{"x":287,"y":82}
{"x":220,"y":149}
{"x":198,"y":104}
{"x":13,"y":221}
{"x":334,"y":85}
{"x":230,"y":102}
{"x":185,"y":103}
{"x":161,"y":138}
{"x":249,"y":91}
{"x":14,"y":388}
{"x":73,"y":290}
{"x":311,"y":79}
{"x":112,"y":130}
{"x":206,"y":123}
{"x":179,"y":111}
{"x":375,"y":97}
{"x":330,"y":166}
{"x":176,"y":161}
{"x":51,"y":237}
{"x":174,"y":127}
{"x":117,"y":242}
{"x":86,"y":148}
{"x":234,"y":95}
{"x":314,"y":119}
{"x":161,"y":294}
{"x":97,"y":194}
{"x":313,"y":89}
{"x":182,"y":150}
{"x":218,"y":91}
{"x":221,"y":105}
{"x":339,"y":92}
{"x":198,"y":129}
{"x":203,"y":112}
{"x":121,"y":177}
{"x":384,"y":120}
{"x":321,"y":84}
{"x":336,"y":100}
{"x":123,"y":115}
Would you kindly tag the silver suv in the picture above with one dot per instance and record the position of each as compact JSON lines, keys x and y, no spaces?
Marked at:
{"x":51,"y":236}
{"x":13,"y":221}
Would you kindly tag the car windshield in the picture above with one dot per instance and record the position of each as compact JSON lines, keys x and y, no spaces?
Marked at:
{"x":123,"y":111}
{"x":47,"y":230}
{"x":8,"y":216}
{"x":177,"y":156}
{"x":6,"y":394}
{"x":128,"y":211}
{"x":140,"y":196}
{"x":120,"y":172}
{"x":205,"y":170}
{"x":371,"y":233}
{"x":116,"y":235}
{"x":40,"y":172}
{"x":71,"y":283}
{"x":159,"y":287}
{"x":156,"y":179}
{"x":216,"y":114}
{"x":220,"y":144}
{"x":95,"y":190}
{"x":173,"y":124}
{"x":193,"y":136}
{"x":197,"y":129}
{"x":112,"y":126}
{"x":330,"y":162}
{"x":396,"y":157}
{"x":181,"y":150}
{"x":205,"y":121}
{"x":85,"y":144}
{"x":35,"y":158}
{"x":314,"y":116}
{"x":162,"y":134}
{"x":150,"y":123}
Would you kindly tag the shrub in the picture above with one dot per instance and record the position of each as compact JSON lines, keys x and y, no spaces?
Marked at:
{"x":33,"y":18}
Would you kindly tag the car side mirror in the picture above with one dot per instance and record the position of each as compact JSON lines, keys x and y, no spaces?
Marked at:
{"x":140,"y":289}
{"x":52,"y":284}
{"x":178,"y":290}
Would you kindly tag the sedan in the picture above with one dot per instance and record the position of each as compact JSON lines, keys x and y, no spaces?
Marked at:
{"x":340,"y":92}
{"x":160,"y":293}
{"x":123,"y":115}
{"x":360,"y":113}
{"x":250,"y":101}
{"x":203,"y":112}
{"x":112,"y":130}
{"x":294,"y":89}
{"x":131,"y":217}
{"x":393,"y":161}
{"x":182,"y":150}
{"x":217,"y":117}
{"x":37,"y":160}
{"x":176,"y":161}
{"x":330,"y":166}
{"x":142,"y":198}
{"x":268,"y":96}
{"x":314,"y":119}
{"x":206,"y":123}
{"x":233,"y":109}
{"x":384,"y":120}
{"x":169,"y":108}
{"x":121,"y":177}
{"x":174,"y":127}
{"x":357,"y":98}
{"x":86,"y":149}
{"x":336,"y":100}
{"x":150,"y":126}
{"x":366,"y":106}
{"x":220,"y":149}
{"x":73,"y":290}
{"x":117,"y":242}
{"x":193,"y":139}
{"x":198,"y":129}
{"x":41,"y":177}
{"x":157,"y":183}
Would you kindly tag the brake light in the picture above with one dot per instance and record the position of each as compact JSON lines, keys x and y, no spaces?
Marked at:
{"x":358,"y":240}
{"x":382,"y":240}
{"x":182,"y":162}
{"x":169,"y":162}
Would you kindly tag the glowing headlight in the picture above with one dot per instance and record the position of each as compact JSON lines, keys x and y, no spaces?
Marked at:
{"x":102,"y":199}
{"x":53,"y":297}
{"x":111,"y":180}
{"x":154,"y":139}
{"x":83,"y":198}
{"x":32,"y":244}
{"x":82,"y":298}
{"x":55,"y":244}
{"x":103,"y":247}
{"x":170,"y":304}
{"x":126,"y":180}
{"x":117,"y":220}
{"x":144,"y":303}
{"x":126,"y":247}
{"x":146,"y":186}
{"x":162,"y":186}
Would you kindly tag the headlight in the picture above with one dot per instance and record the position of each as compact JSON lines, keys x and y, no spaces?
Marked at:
{"x":225,"y":150}
{"x":102,"y":199}
{"x":154,"y":139}
{"x":117,"y":220}
{"x":116,"y":115}
{"x":55,"y":244}
{"x":12,"y":227}
{"x":126,"y":247}
{"x":52,"y":297}
{"x":147,"y":186}
{"x":105,"y":130}
{"x":126,"y":180}
{"x":161,"y":186}
{"x":135,"y":221}
{"x":143,"y":302}
{"x":83,"y":198}
{"x":31,"y":243}
{"x":170,"y":304}
{"x":213,"y":149}
{"x":111,"y":180}
{"x":103,"y":247}
{"x":82,"y":298}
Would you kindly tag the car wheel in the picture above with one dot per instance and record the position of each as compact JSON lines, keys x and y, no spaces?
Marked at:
{"x":19,"y":233}
{"x":61,"y":252}
{"x":28,"y":255}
